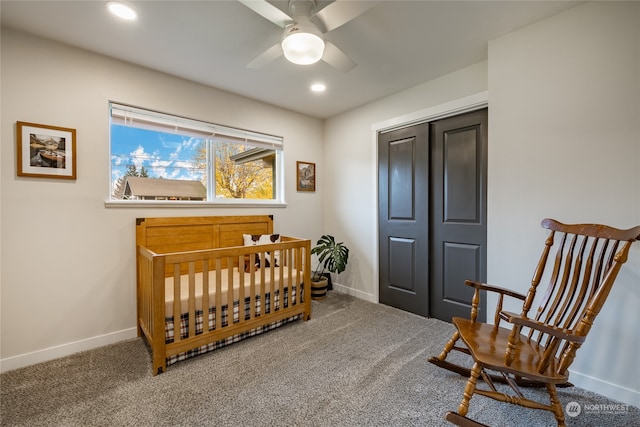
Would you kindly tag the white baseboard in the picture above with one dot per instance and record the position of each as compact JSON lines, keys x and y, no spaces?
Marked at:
{"x":354,"y":292}
{"x":51,"y":353}
{"x":612,"y":391}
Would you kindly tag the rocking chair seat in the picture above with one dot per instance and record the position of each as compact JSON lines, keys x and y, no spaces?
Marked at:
{"x":487,"y":345}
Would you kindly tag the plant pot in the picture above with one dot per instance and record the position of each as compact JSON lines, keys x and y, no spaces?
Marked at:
{"x":328,"y":276}
{"x":319,"y":288}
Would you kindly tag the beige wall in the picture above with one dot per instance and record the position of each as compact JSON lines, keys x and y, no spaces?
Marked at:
{"x":68,"y":273}
{"x":564,"y":142}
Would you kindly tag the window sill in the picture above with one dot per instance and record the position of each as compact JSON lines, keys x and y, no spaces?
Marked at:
{"x":192,"y":204}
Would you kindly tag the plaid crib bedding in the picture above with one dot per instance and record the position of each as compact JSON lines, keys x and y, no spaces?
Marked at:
{"x":184,"y":322}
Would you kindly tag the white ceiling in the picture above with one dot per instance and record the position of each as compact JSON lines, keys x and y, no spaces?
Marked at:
{"x":396,"y":44}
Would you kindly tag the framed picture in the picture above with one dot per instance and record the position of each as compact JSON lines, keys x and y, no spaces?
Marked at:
{"x":306,"y":176}
{"x":46,"y":151}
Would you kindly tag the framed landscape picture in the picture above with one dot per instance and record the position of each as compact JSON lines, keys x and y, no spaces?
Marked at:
{"x":46,"y":151}
{"x":305,"y":176}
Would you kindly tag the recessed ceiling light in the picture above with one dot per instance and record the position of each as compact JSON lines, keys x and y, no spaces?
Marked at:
{"x":121,"y":10}
{"x":318,"y":87}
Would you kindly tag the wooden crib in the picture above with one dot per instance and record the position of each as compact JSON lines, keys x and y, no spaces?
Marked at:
{"x":205,"y":262}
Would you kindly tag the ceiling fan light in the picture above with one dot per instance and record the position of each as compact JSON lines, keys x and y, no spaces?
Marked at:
{"x":303,"y":48}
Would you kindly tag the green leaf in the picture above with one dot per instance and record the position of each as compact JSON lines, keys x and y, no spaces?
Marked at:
{"x":332,"y":256}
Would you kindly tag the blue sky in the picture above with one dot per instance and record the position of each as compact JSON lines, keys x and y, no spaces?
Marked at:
{"x":165,"y":155}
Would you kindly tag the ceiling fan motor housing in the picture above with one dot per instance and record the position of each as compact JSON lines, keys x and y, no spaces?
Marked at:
{"x":302,"y":7}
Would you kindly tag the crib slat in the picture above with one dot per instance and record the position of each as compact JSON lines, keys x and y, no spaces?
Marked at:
{"x":192,"y":299}
{"x":272,"y":281}
{"x":176,"y":302}
{"x":218,"y":297}
{"x":295,"y":262}
{"x":290,"y":283}
{"x":263,"y":297}
{"x":283,"y":257}
{"x":205,"y":296}
{"x":252,"y":290}
{"x":230,"y":310}
{"x":241,"y":315}
{"x":299,"y":277}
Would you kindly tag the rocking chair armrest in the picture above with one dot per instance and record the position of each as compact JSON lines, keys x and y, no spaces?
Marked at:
{"x":520,"y":320}
{"x":493,"y":288}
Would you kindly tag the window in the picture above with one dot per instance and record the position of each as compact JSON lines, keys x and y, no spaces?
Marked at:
{"x":157,"y":156}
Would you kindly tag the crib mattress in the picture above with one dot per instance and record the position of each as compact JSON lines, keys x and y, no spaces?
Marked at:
{"x":225,"y":280}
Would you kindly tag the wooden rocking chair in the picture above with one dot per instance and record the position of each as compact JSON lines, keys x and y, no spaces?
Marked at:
{"x":538,"y":349}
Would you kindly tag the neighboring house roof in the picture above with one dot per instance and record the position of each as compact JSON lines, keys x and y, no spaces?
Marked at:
{"x":156,"y":187}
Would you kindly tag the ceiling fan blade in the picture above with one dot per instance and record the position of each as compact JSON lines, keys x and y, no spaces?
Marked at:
{"x":337,"y":58}
{"x":269,"y":55}
{"x":340,"y":12}
{"x":268,"y":11}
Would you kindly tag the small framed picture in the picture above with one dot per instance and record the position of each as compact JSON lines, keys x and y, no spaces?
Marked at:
{"x":46,"y":151}
{"x":306,"y":176}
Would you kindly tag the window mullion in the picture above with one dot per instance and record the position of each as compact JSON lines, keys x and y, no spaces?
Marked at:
{"x":211,"y":171}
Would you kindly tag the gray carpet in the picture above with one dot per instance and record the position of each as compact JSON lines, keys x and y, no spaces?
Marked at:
{"x":354,"y":364}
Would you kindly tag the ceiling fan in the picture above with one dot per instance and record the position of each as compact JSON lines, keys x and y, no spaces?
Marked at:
{"x":302,"y":40}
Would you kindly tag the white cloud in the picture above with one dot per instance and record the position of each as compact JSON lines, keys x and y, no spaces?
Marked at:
{"x":159,"y":167}
{"x":139,"y":156}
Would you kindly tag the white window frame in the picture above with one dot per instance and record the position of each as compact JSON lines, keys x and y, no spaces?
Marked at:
{"x":153,"y":120}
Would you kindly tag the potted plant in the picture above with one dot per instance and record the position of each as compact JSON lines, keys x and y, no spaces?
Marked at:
{"x":332,"y":257}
